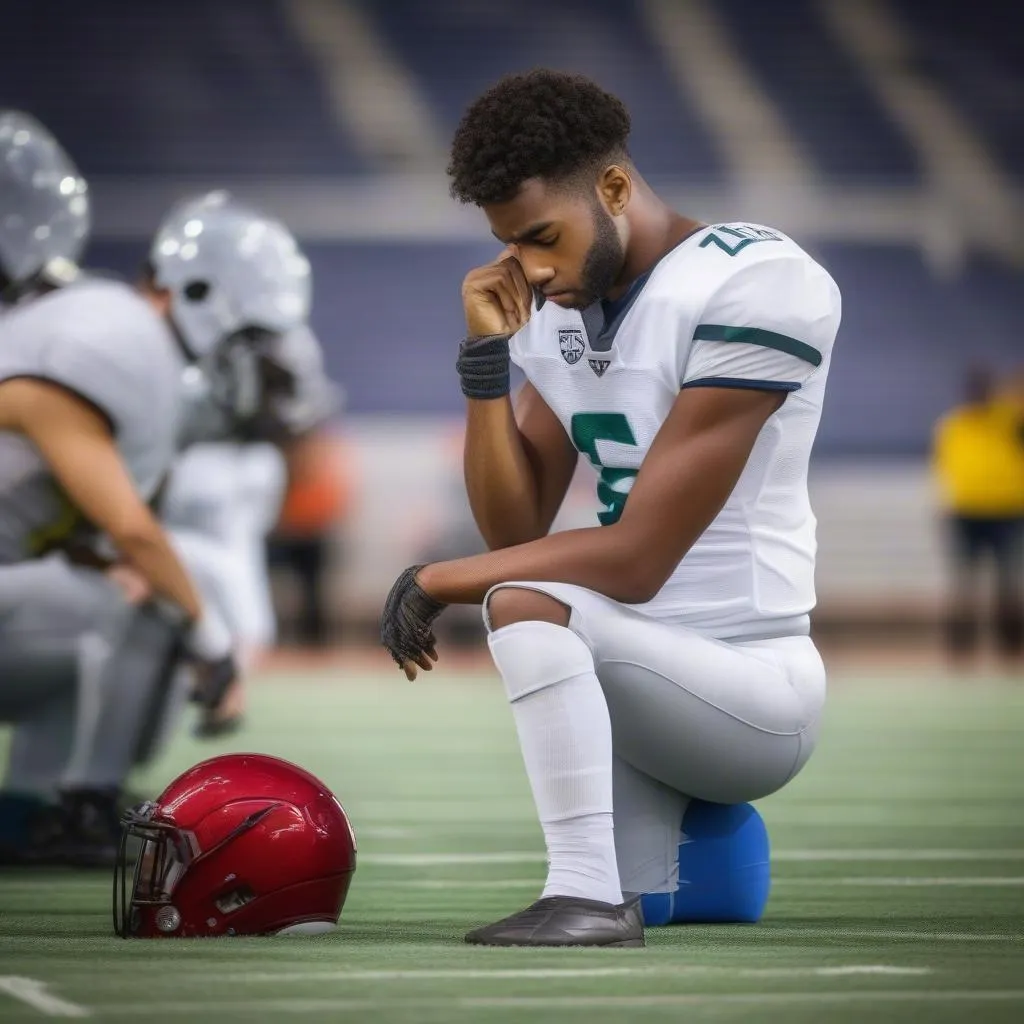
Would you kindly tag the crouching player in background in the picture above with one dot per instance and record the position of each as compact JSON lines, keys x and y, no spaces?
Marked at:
{"x":226,"y":489}
{"x":90,"y":407}
{"x":658,"y":666}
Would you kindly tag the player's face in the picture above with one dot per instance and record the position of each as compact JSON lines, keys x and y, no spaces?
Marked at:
{"x":568,"y":244}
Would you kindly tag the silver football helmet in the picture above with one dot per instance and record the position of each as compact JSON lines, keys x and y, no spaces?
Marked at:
{"x":44,"y":202}
{"x":228,"y":268}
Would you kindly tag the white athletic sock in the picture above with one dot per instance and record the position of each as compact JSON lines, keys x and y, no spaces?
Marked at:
{"x":566,"y":738}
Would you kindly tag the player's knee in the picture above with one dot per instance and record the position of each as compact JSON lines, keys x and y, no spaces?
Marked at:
{"x":507,"y":605}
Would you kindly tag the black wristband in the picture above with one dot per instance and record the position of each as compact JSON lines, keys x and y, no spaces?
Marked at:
{"x":483,"y":366}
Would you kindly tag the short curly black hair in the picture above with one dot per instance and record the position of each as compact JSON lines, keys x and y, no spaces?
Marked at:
{"x":542,"y":124}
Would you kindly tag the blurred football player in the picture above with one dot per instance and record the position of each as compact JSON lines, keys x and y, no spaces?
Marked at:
{"x":257,"y":284}
{"x":90,"y":392}
{"x":225,"y":491}
{"x":89,"y":400}
{"x":662,"y":658}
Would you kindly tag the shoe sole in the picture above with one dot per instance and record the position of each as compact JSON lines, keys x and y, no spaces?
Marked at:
{"x":621,"y":944}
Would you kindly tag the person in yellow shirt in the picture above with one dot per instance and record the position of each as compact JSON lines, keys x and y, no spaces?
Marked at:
{"x":978,"y":460}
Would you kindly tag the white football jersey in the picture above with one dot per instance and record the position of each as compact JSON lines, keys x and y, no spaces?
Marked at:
{"x":733,"y":305}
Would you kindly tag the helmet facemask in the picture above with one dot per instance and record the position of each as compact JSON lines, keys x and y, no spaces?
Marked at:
{"x":164,"y":854}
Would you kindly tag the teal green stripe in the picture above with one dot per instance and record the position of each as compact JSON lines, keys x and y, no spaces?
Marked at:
{"x":757,"y":336}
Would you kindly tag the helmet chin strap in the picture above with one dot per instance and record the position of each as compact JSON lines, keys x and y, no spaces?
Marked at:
{"x":186,"y":349}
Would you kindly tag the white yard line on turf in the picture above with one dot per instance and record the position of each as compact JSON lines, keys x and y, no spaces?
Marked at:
{"x":890,"y":935}
{"x":422,"y":860}
{"x":414,"y":860}
{"x":556,"y":973}
{"x":883,"y":883}
{"x":628,"y":1004}
{"x":923,"y":854}
{"x":33,"y":992}
{"x":757,"y":998}
{"x":860,"y":881}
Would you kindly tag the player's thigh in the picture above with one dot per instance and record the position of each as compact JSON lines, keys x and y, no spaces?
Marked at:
{"x":47,"y":607}
{"x":715,"y":721}
{"x":723,"y":722}
{"x":44,"y":600}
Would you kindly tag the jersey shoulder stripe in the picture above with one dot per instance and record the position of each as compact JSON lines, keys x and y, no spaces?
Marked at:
{"x":758,"y":336}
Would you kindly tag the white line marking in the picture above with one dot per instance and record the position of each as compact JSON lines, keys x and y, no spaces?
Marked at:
{"x":632,"y":1002}
{"x":555,"y":973}
{"x":33,"y":992}
{"x":264,"y":1007}
{"x":385,"y":832}
{"x":892,"y":934}
{"x":860,"y":881}
{"x":813,"y":856}
{"x":420,"y":860}
{"x":914,"y":883}
{"x":456,"y":884}
{"x":924,"y":854}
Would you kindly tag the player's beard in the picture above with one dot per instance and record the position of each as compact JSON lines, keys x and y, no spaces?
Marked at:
{"x":603,"y":262}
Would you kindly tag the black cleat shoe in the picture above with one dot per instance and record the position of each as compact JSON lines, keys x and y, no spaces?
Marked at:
{"x":94,"y":828}
{"x":82,"y":831}
{"x":566,"y":921}
{"x":211,"y":727}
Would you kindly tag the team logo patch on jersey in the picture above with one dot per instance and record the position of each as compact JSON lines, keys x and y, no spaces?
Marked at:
{"x":570,"y":341}
{"x":599,"y":365}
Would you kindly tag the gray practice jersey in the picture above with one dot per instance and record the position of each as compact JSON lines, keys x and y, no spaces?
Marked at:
{"x":102,"y":341}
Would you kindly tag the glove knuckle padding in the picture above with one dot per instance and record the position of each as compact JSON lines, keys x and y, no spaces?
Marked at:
{"x":405,"y":629}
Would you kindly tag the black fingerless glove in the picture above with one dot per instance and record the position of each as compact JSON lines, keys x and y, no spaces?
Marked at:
{"x":483,"y":366}
{"x":408,"y":613}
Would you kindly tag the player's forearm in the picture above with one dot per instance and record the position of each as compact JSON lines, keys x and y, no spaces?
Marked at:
{"x":605,"y":559}
{"x":501,"y":484}
{"x":146,"y":548}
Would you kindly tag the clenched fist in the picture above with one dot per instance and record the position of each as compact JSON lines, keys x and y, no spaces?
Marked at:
{"x":497,"y":298}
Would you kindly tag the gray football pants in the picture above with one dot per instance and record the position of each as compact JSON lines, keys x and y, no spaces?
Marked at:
{"x":691,"y":717}
{"x":80,"y":671}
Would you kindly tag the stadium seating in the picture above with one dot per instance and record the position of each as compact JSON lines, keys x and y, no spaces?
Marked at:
{"x":228,"y":91}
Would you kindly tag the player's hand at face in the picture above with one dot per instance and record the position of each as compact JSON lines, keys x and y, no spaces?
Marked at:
{"x":405,"y":628}
{"x":497,"y":298}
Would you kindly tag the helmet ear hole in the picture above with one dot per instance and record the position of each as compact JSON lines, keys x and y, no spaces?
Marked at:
{"x":235,"y":899}
{"x":196,"y":291}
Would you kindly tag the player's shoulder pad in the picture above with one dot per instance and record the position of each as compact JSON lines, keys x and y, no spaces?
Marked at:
{"x":771,"y":317}
{"x":758,"y":272}
{"x":99,"y":338}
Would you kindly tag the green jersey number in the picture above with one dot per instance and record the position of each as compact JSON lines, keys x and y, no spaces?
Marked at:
{"x":587,"y":429}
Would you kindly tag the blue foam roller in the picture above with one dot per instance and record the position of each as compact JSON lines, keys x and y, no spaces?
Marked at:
{"x":724,"y":869}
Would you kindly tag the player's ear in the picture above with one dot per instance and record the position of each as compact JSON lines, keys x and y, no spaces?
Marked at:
{"x":615,"y":187}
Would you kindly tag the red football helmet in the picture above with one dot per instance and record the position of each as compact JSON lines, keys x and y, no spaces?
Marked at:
{"x":242,"y":844}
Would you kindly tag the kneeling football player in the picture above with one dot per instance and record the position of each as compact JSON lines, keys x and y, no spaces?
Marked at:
{"x":658,"y":665}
